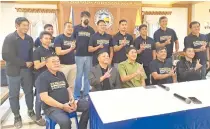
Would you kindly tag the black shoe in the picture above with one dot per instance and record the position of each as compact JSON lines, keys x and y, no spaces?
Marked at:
{"x":18,"y":122}
{"x":41,"y":122}
{"x":32,"y":115}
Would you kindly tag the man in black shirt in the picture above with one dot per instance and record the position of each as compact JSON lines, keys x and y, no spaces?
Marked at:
{"x":146,"y":50}
{"x":161,"y":68}
{"x":200,"y":44}
{"x":100,"y":41}
{"x":166,"y":37}
{"x":57,"y":97}
{"x":39,"y":56}
{"x":17,"y":51}
{"x":48,"y":28}
{"x":83,"y":58}
{"x":102,"y":76}
{"x":121,"y":41}
{"x":188,"y":69}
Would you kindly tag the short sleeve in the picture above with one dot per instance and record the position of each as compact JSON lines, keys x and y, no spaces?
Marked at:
{"x":74,"y":35}
{"x":42,"y":84}
{"x":121,"y":69}
{"x":152,"y":67}
{"x":37,"y":42}
{"x":91,"y":41}
{"x":93,"y":31}
{"x":156,"y":37}
{"x":153,"y":44}
{"x":175,"y":36}
{"x":144,"y":74}
{"x":135,"y":44}
{"x":131,"y":40}
{"x":110,"y":42}
{"x":58,"y":42}
{"x":36,"y":56}
{"x":187,"y":42}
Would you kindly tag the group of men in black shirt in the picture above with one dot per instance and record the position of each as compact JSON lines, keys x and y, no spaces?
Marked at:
{"x":61,"y":63}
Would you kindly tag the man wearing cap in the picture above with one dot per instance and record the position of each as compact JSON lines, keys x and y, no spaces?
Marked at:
{"x":132,"y":74}
{"x":83,"y":58}
{"x":121,"y":41}
{"x":161,"y":68}
{"x":146,"y":50}
{"x":200,"y":44}
{"x":166,"y":37}
{"x":102,"y":76}
{"x":101,"y":41}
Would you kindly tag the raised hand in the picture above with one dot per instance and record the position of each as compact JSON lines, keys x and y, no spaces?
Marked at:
{"x":107,"y":74}
{"x":198,"y":65}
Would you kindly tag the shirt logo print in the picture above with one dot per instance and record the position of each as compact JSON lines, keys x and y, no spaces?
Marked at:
{"x":147,"y":46}
{"x":164,"y":70}
{"x":101,"y":42}
{"x":127,"y":42}
{"x":197,"y":43}
{"x":67,"y":43}
{"x":43,"y":59}
{"x":163,"y":38}
{"x":58,"y":85}
{"x":84,"y":34}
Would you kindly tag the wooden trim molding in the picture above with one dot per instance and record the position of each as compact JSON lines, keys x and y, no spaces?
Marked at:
{"x":105,"y":3}
{"x":36,"y":10}
{"x":156,"y":12}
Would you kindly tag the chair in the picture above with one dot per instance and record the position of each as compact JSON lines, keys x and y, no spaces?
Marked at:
{"x":50,"y":124}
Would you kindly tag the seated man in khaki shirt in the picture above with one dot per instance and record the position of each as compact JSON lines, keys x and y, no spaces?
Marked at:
{"x":132,"y":74}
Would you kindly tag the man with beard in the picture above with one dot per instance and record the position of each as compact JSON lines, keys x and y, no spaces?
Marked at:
{"x":48,"y":28}
{"x":146,"y":50}
{"x":132,"y":74}
{"x":64,"y":47}
{"x":83,"y":58}
{"x":121,"y":41}
{"x":17,"y":51}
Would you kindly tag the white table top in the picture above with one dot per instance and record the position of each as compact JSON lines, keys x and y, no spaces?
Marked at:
{"x":130,"y":103}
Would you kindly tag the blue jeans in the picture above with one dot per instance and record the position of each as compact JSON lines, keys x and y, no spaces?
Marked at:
{"x":25,"y":80}
{"x":203,"y":72}
{"x":84,"y":64}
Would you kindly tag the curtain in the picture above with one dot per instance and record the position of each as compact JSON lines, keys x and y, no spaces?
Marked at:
{"x":38,"y":20}
{"x":152,"y":22}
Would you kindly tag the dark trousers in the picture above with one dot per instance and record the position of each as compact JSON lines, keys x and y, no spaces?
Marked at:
{"x":38,"y":102}
{"x":147,"y":71}
{"x":25,"y":80}
{"x":61,"y":117}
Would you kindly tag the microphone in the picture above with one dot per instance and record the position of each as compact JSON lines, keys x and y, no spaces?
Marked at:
{"x":186,"y":100}
{"x":164,"y":87}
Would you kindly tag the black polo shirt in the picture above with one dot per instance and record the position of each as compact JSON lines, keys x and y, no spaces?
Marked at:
{"x":55,"y":85}
{"x":161,"y":36}
{"x":65,"y":43}
{"x":208,"y":37}
{"x":98,"y":39}
{"x":82,"y":36}
{"x":40,"y":54}
{"x":105,"y":83}
{"x":196,"y":42}
{"x":161,"y":68}
{"x":38,"y":43}
{"x":120,"y":56}
{"x":145,"y":57}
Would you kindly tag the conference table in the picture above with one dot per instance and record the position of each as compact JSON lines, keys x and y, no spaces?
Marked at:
{"x":151,"y":108}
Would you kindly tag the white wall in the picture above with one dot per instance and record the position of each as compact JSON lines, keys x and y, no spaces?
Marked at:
{"x":177,"y":21}
{"x":8,"y":14}
{"x":200,"y":13}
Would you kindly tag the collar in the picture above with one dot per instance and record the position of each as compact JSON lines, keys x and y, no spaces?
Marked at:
{"x":122,"y":34}
{"x":163,"y":30}
{"x":52,"y":73}
{"x":18,"y":37}
{"x":143,"y":38}
{"x":101,"y":34}
{"x":43,"y":47}
{"x":129,"y":62}
{"x":161,"y":61}
{"x":83,"y":26}
{"x":194,"y":35}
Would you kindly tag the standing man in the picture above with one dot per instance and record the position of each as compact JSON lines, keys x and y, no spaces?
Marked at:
{"x":132,"y":73}
{"x":145,"y":49}
{"x":161,"y":68}
{"x":57,"y":98}
{"x":200,"y":44}
{"x":64,"y":47}
{"x":101,"y":40}
{"x":48,"y":28}
{"x":17,"y":51}
{"x":166,"y":37}
{"x":82,"y":34}
{"x":121,"y":41}
{"x":40,"y":66}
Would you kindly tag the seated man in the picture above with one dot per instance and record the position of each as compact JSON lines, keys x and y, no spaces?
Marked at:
{"x":101,"y":76}
{"x":188,"y":69}
{"x":132,"y":74}
{"x":161,"y":68}
{"x":57,"y":97}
